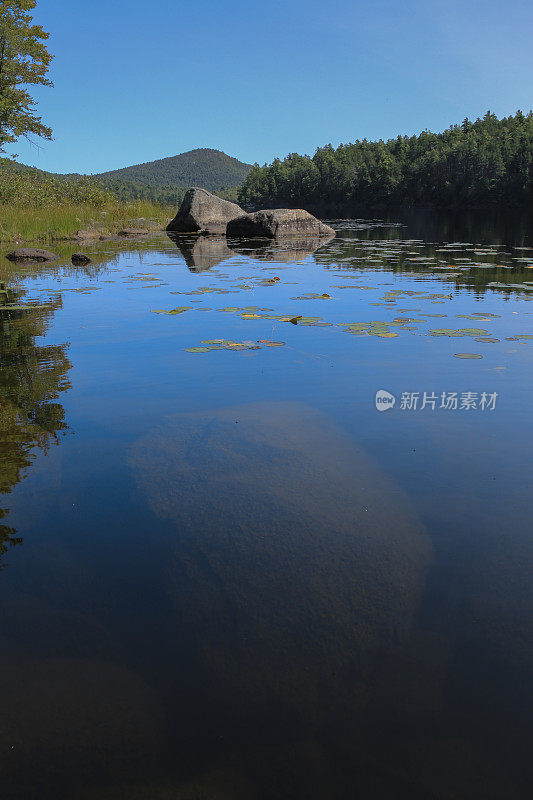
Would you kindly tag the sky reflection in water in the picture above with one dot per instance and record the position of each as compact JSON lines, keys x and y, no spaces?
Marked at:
{"x":234,"y":577}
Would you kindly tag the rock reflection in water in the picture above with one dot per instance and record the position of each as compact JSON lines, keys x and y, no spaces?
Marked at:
{"x":296,"y":567}
{"x":281,"y":250}
{"x":202,"y":252}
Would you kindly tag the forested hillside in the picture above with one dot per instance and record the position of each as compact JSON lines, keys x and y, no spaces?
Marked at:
{"x":477,"y":163}
{"x":166,"y":180}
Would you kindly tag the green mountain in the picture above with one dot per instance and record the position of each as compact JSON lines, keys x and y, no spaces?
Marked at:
{"x":167,"y":179}
{"x":164,"y":181}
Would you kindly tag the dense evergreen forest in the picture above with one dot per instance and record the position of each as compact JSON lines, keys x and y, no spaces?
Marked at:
{"x":474,"y":164}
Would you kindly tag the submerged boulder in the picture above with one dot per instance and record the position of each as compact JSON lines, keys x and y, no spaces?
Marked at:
{"x":31,"y":254}
{"x":271,"y":223}
{"x":204,"y":212}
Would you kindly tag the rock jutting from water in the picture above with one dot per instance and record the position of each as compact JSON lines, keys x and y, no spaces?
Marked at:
{"x":31,"y":254}
{"x":80,"y":258}
{"x":203,"y":212}
{"x":278,"y":222}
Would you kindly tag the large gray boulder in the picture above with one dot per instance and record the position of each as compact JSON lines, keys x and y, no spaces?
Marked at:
{"x":278,"y":222}
{"x":203,"y":212}
{"x":31,"y":254}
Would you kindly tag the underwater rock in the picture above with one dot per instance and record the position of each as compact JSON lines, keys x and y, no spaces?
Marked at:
{"x":292,"y":558}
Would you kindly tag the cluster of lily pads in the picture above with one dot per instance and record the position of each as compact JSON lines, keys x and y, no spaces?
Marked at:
{"x":380,"y":328}
{"x":525,"y":286}
{"x":206,"y":345}
{"x":453,"y":259}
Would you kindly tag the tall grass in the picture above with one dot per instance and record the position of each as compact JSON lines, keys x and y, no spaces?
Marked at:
{"x":35,"y":206}
{"x":49,"y":223}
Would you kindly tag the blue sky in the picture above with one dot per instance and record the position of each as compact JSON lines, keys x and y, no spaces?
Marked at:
{"x":137,"y":81}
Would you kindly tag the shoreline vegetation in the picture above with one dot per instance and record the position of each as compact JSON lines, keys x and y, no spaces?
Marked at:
{"x":38,"y":207}
{"x":62,"y":222}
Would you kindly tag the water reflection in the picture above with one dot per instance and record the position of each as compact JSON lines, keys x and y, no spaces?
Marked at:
{"x":281,"y":250}
{"x":202,"y":252}
{"x":503,"y":269}
{"x":32,"y":376}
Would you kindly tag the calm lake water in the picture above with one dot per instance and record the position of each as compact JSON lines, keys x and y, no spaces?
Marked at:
{"x":225,"y":573}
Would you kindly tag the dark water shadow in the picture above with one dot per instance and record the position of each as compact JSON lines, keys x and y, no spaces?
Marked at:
{"x":295,"y":568}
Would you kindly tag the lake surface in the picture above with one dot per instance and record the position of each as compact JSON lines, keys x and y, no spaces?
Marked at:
{"x":278,"y":543}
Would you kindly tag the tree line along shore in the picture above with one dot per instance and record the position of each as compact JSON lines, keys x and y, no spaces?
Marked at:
{"x":473,"y":165}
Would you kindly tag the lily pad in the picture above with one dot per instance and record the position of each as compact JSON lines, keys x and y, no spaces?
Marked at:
{"x":458,"y":332}
{"x":312,"y":297}
{"x":354,"y":324}
{"x":197,"y":349}
{"x":178,"y":310}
